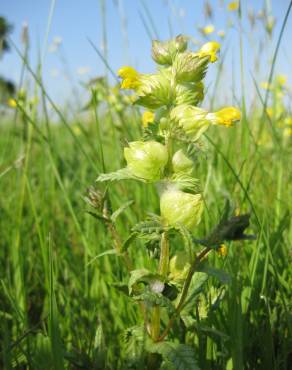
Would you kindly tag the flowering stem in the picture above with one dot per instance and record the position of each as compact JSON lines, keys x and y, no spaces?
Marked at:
{"x":184,"y":293}
{"x":162,"y":270}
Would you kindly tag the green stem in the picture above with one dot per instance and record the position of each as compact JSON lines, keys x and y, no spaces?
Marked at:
{"x":163,"y":271}
{"x":184,"y":293}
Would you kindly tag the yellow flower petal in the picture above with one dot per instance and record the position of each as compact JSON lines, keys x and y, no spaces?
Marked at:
{"x":226,"y":116}
{"x":210,"y":49}
{"x":233,"y":6}
{"x":222,"y":250}
{"x":208,"y":29}
{"x":147,"y":117}
{"x":127,"y":72}
{"x":282,"y":80}
{"x":130,"y":78}
{"x":12,"y":103}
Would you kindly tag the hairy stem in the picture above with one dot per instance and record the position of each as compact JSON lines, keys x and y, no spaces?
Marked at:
{"x":162,"y":270}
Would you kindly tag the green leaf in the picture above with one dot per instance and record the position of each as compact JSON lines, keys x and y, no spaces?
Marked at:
{"x":187,"y":239}
{"x":155,"y":299}
{"x":107,"y":252}
{"x":139,"y":276}
{"x":221,"y":275}
{"x":150,"y":225}
{"x":178,"y":356}
{"x":120,"y":210}
{"x":128,"y":241}
{"x":98,"y":216}
{"x":122,"y":174}
{"x":198,"y":281}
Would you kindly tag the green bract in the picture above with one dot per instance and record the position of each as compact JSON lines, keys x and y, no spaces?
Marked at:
{"x":189,"y":67}
{"x":193,"y":120}
{"x":154,"y":90}
{"x":180,"y":208}
{"x":189,"y":93}
{"x":164,"y":52}
{"x":146,"y":159}
{"x":181,"y":163}
{"x":179,"y":266}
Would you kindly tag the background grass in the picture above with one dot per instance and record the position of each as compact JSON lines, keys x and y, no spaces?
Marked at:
{"x":59,"y":308}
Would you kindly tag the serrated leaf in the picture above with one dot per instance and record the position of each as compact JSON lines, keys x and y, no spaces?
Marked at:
{"x":155,"y":299}
{"x":120,"y":210}
{"x":122,"y":174}
{"x":148,"y":227}
{"x":180,"y":356}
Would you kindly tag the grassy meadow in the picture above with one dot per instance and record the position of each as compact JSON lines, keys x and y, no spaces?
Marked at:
{"x":63,"y":302}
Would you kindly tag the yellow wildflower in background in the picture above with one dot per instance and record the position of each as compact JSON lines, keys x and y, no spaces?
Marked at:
{"x":265,"y":85}
{"x":12,"y":103}
{"x":210,"y":49}
{"x":130,"y":78}
{"x":226,"y":116}
{"x":281,"y":79}
{"x":221,"y":33}
{"x":208,"y":29}
{"x":222,"y":250}
{"x":233,"y":6}
{"x":147,"y":117}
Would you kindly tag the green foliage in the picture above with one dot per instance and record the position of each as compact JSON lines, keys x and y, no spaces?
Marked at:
{"x":175,"y":355}
{"x":64,"y":297}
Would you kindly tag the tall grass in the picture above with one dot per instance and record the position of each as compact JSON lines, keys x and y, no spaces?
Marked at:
{"x":60,"y":307}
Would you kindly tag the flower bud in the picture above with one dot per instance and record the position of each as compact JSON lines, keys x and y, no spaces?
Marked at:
{"x":164,"y":52}
{"x":189,"y":93}
{"x":192,"y":120}
{"x":179,"y":266}
{"x":180,"y":208}
{"x":146,"y":159}
{"x":181,"y":163}
{"x":189,"y":67}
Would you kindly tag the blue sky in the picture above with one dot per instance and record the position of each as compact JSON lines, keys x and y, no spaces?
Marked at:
{"x":78,"y":21}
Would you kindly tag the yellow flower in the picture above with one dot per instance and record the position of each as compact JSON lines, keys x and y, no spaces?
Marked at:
{"x":288,"y":121}
{"x":282,"y":80}
{"x":130,"y":78}
{"x":221,"y":33}
{"x":148,"y":117}
{"x":208,"y":29}
{"x":237,"y":212}
{"x":226,"y":116}
{"x":265,"y":85}
{"x":222,"y":250}
{"x":12,"y":103}
{"x":233,"y":6}
{"x":210,"y":49}
{"x":288,"y":132}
